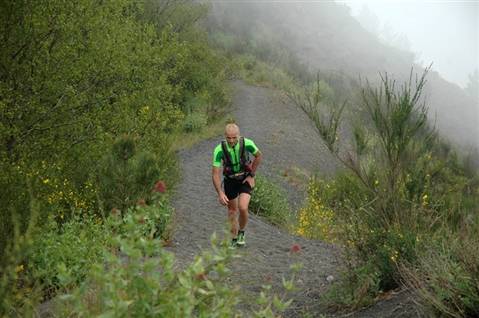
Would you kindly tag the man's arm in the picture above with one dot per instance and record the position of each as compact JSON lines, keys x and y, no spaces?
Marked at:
{"x":217,"y":183}
{"x":256,"y":161}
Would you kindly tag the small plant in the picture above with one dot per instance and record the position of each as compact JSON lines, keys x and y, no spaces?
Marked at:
{"x":126,"y":174}
{"x":270,"y":201}
{"x":196,"y":121}
{"x":447,"y":276}
{"x":77,"y":244}
{"x":18,"y":287}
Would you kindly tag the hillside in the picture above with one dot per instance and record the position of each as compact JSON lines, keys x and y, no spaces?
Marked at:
{"x":324,"y":36}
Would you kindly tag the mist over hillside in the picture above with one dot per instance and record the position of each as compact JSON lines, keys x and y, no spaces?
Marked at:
{"x":324,"y":36}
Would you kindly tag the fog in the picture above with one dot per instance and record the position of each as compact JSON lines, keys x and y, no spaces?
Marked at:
{"x":443,"y":33}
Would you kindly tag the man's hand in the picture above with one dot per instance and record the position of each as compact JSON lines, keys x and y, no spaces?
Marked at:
{"x":250,"y":180}
{"x":223,"y":199}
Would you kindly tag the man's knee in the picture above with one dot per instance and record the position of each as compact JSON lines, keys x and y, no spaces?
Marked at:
{"x":243,"y":208}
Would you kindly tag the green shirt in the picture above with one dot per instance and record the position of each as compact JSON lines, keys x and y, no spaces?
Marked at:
{"x":249,"y":147}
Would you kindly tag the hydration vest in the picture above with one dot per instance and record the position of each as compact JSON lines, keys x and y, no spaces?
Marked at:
{"x":245,"y":164}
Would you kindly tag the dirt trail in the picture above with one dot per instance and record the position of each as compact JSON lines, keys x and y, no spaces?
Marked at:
{"x":287,"y":140}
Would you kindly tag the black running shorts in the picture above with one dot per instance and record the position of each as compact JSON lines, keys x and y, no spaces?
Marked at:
{"x":234,"y":187}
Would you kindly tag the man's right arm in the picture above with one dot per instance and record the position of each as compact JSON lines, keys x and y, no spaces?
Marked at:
{"x":217,"y":183}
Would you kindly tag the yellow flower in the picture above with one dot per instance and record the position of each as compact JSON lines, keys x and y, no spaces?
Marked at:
{"x":376,"y":182}
{"x":46,"y":181}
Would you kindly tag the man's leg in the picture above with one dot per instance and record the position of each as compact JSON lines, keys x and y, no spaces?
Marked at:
{"x":233,"y":217}
{"x":243,"y":217}
{"x":244,"y":199}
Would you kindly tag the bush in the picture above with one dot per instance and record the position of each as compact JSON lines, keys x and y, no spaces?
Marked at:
{"x":18,"y":287}
{"x":270,"y":201}
{"x":380,"y":207}
{"x":196,"y":121}
{"x":126,"y":174}
{"x":447,"y":275}
{"x":77,"y":244}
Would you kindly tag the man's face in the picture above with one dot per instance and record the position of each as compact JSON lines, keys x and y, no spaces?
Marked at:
{"x":231,"y":137}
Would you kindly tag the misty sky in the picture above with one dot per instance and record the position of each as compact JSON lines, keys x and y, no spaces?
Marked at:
{"x":444,"y":32}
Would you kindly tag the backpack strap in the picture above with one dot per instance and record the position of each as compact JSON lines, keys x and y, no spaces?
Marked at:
{"x":245,"y":162}
{"x":242,"y":152}
{"x":226,"y":153}
{"x":227,"y":162}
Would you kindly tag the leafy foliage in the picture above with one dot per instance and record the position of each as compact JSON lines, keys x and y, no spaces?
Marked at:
{"x":393,"y":193}
{"x":55,"y":245}
{"x":269,"y":200}
{"x":126,"y":174}
{"x":447,"y":279}
{"x":74,"y":76}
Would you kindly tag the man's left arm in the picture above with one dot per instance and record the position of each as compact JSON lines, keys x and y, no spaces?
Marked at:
{"x":256,"y":161}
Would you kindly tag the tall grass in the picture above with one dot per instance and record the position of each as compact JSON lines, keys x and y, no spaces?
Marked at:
{"x":400,"y":196}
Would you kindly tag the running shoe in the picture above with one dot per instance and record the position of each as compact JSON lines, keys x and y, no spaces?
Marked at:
{"x":241,"y":241}
{"x":233,"y":245}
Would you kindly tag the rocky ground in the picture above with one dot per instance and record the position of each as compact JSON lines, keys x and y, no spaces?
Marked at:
{"x":290,"y":146}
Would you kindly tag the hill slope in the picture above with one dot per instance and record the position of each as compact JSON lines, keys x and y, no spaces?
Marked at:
{"x":323,"y":35}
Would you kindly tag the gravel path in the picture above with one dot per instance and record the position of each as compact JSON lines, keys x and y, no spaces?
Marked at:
{"x":287,"y":140}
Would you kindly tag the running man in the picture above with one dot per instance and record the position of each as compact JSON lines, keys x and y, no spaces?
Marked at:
{"x":238,"y":177}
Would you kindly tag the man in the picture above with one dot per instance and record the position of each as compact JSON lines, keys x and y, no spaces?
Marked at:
{"x":238,"y":177}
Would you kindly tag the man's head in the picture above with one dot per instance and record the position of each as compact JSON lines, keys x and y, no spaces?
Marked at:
{"x":232,"y":134}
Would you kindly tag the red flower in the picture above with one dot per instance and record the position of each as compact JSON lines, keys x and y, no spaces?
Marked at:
{"x":160,"y":187}
{"x":142,"y":203}
{"x":201,"y":276}
{"x":296,"y":249}
{"x":113,"y":211}
{"x":268,"y":278}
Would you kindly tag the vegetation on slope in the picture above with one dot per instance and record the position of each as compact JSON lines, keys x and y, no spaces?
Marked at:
{"x":93,"y":96}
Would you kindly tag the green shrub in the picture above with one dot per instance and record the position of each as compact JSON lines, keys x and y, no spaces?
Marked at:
{"x":270,"y":201}
{"x":447,"y":276}
{"x":195,"y":121}
{"x":18,"y":287}
{"x":156,"y":214}
{"x":376,"y":209}
{"x":126,"y":174}
{"x":77,"y":244}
